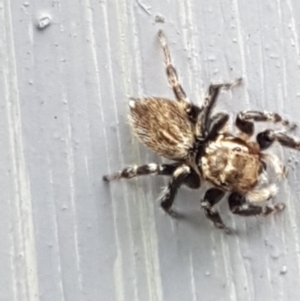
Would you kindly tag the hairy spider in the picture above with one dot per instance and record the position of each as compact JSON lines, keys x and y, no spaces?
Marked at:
{"x":203,"y":149}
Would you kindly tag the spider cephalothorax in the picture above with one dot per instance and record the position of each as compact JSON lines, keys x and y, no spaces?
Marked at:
{"x":203,"y":149}
{"x":231,"y":165}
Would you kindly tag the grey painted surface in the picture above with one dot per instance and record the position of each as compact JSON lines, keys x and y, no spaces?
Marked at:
{"x":65,"y":235}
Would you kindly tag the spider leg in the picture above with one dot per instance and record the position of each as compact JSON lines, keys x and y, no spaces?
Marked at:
{"x":212,"y":197}
{"x":239,"y":205}
{"x":147,"y":169}
{"x":245,"y":120}
{"x":216,"y":124}
{"x":182,"y":175}
{"x":210,"y":100}
{"x":171,"y":71}
{"x":192,"y":180}
{"x":267,"y":137}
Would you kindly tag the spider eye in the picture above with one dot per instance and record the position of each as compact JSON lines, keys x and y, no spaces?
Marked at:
{"x":237,"y":149}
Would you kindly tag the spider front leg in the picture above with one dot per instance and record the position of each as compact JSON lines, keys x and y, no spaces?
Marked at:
{"x":182,"y":175}
{"x":216,"y":123}
{"x":267,"y":137}
{"x":211,"y":198}
{"x":245,"y":120}
{"x":210,"y":100}
{"x":147,"y":169}
{"x":238,"y":205}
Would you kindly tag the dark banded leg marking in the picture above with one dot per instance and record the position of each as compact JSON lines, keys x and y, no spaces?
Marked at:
{"x":147,"y":169}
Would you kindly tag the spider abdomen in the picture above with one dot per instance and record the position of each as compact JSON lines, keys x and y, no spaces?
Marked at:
{"x":163,"y":126}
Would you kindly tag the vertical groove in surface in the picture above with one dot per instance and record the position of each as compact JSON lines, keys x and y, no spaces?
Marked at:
{"x":22,"y":235}
{"x":121,"y":261}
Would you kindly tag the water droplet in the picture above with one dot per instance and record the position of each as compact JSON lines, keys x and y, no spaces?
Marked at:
{"x":212,"y":58}
{"x":159,"y":19}
{"x":207,"y":273}
{"x":26,"y":3}
{"x":43,"y":22}
{"x":275,"y":256}
{"x":283,"y":270}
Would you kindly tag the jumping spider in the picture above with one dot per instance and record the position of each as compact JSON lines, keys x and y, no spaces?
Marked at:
{"x":203,"y":149}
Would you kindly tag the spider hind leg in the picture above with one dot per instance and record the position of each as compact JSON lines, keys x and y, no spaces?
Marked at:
{"x":238,"y":205}
{"x":171,"y":71}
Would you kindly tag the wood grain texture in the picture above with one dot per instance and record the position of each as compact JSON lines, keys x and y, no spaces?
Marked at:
{"x":66,"y":235}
